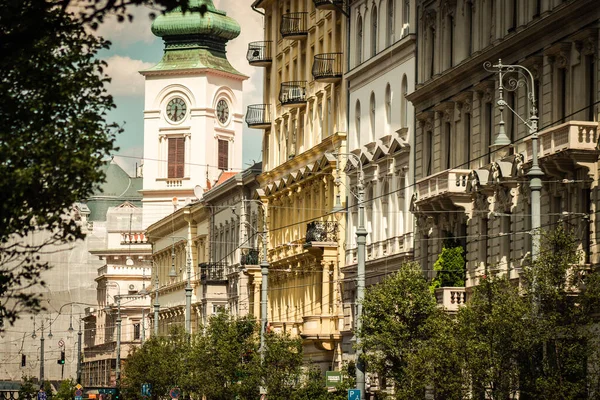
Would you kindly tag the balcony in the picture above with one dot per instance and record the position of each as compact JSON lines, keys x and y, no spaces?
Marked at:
{"x":294,"y":26}
{"x":250,"y":258}
{"x":329,"y":4}
{"x":259,"y":116}
{"x":451,"y":298}
{"x":259,"y":54}
{"x":446,"y":189}
{"x":564,"y":147}
{"x":321,"y":232}
{"x":133,"y":238}
{"x":293,"y":94}
{"x":327,"y":67}
{"x":213,"y":272}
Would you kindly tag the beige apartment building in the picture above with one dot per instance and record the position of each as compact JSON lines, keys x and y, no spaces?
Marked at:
{"x":479,"y":193}
{"x":304,"y":123}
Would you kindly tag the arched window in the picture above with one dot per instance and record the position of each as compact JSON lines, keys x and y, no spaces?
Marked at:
{"x":359,"y":40}
{"x":388,"y":104}
{"x":390,"y":22}
{"x":357,"y":123}
{"x":404,"y":102}
{"x":374,"y":31}
{"x":372,"y":116}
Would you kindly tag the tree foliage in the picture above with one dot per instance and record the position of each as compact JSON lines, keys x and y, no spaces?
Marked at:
{"x":29,"y":388}
{"x":450,"y":265}
{"x":53,"y":131}
{"x":407,"y":338}
{"x":533,"y":338}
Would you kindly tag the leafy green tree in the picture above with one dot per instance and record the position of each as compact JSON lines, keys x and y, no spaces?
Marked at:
{"x":450,"y":265}
{"x":29,"y":388}
{"x":496,"y":332}
{"x":162,"y":361}
{"x":281,"y":371}
{"x":66,"y":390}
{"x":565,"y":298}
{"x":227,"y":345}
{"x":53,"y":131}
{"x":408,"y":339}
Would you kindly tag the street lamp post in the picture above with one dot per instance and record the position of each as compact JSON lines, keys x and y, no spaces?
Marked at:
{"x":524,"y":78}
{"x":264,"y":271}
{"x":79,"y":334}
{"x":42,"y":356}
{"x":361,"y":241}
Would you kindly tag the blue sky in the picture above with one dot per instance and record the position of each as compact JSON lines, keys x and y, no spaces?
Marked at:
{"x":134,"y":48}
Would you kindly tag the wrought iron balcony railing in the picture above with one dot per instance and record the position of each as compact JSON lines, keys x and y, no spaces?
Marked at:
{"x":259,"y":53}
{"x":258,"y":116}
{"x":327,"y":67}
{"x":294,"y":25}
{"x":213,"y":272}
{"x":293,"y":93}
{"x":329,"y":4}
{"x":251,"y":258}
{"x":321,"y":231}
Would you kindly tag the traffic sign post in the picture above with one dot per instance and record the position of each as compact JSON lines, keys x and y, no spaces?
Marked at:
{"x":353,"y":394}
{"x":146,"y":390}
{"x":175,"y":393}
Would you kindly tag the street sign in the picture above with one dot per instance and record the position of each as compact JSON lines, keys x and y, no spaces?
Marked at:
{"x":78,"y":386}
{"x":175,"y":393}
{"x":333,"y":378}
{"x":78,"y":397}
{"x":41,"y":395}
{"x":78,"y":393}
{"x":353,"y":394}
{"x":146,"y":390}
{"x":61,"y":343}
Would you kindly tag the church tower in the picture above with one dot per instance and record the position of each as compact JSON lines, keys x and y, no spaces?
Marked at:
{"x":193,"y":108}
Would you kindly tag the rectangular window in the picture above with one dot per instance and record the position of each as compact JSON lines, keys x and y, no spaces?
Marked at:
{"x":468,"y":139}
{"x":489,"y":130}
{"x":223,"y":154}
{"x":562,"y":95}
{"x":429,"y":153}
{"x":448,"y":144}
{"x":176,"y":158}
{"x":136,"y":331}
{"x":469,"y":30}
{"x":590,"y":85}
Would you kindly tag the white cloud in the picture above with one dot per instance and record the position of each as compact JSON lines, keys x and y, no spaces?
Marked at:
{"x":126,"y":79}
{"x":124,"y":34}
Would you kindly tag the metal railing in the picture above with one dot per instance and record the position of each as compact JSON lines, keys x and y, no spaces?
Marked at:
{"x":293,"y":92}
{"x":294,"y":24}
{"x":258,"y":114}
{"x":321,"y":231}
{"x":259,"y":52}
{"x":327,"y":66}
{"x":251,"y":258}
{"x":213,"y":271}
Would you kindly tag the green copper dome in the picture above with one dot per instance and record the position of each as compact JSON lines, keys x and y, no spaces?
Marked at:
{"x":202,"y":19}
{"x":195,"y":38}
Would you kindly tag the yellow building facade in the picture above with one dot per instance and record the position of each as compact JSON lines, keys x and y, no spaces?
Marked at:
{"x":304,"y":122}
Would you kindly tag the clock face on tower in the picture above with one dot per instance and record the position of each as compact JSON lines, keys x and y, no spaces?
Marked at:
{"x":222,"y":111}
{"x":176,"y":109}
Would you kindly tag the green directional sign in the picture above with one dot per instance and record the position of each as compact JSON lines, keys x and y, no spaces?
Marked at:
{"x":333,"y":378}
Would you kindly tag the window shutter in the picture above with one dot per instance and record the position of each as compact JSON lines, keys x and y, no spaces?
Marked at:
{"x":176,"y":158}
{"x":223,"y":154}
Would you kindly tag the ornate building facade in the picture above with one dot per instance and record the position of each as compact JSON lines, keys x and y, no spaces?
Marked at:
{"x":206,"y":238}
{"x":478,"y":193}
{"x":380,"y":139}
{"x":304,"y":122}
